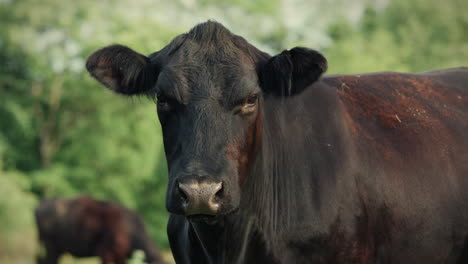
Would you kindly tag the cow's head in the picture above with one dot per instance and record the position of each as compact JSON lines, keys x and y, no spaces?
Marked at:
{"x":210,"y":86}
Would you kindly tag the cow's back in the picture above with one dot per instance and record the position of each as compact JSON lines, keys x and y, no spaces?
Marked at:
{"x":419,"y":116}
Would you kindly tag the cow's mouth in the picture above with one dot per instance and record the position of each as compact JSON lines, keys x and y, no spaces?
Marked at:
{"x":209,"y":219}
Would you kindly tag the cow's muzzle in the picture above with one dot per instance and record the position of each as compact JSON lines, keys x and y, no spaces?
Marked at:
{"x":200,"y":196}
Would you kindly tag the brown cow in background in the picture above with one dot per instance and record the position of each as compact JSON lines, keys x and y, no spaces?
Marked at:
{"x":85,"y":227}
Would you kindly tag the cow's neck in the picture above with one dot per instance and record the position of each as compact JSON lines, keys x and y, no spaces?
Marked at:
{"x":292,"y":190}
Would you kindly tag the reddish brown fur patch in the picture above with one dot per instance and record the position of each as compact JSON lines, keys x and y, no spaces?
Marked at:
{"x":243,"y":151}
{"x":400,"y":113}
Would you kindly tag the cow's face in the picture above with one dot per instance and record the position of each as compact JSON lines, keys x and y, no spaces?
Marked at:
{"x":210,"y":86}
{"x":208,"y":106}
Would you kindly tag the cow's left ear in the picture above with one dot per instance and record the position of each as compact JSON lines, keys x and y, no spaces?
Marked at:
{"x":291,"y":71}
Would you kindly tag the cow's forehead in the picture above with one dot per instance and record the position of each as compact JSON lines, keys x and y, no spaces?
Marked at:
{"x":212,"y":55}
{"x":201,"y":70}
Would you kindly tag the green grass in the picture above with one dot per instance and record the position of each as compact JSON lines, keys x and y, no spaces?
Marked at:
{"x":137,"y":258}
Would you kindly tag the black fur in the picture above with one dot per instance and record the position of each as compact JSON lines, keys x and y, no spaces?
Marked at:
{"x":292,"y":71}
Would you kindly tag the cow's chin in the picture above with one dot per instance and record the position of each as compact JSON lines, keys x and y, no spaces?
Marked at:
{"x":211,"y":219}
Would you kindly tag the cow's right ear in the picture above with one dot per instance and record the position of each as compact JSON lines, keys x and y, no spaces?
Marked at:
{"x":122,"y":70}
{"x":292,"y":71}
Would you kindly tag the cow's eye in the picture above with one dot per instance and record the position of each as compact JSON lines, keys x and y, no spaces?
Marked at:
{"x":249,"y":105}
{"x":251,"y":100}
{"x":164,"y":103}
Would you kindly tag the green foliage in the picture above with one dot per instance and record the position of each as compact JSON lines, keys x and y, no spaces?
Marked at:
{"x":18,"y":235}
{"x":61,"y":134}
{"x":413,"y":36}
{"x":64,"y":134}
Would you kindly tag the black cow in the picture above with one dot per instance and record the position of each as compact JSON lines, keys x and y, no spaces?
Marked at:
{"x":269,"y":163}
{"x":85,"y":227}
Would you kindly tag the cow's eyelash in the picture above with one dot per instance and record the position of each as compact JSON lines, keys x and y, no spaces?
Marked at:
{"x":251,"y":99}
{"x":244,"y":100}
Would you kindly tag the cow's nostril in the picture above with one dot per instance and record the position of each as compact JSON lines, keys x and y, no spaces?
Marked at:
{"x":220,"y":193}
{"x":182,"y":193}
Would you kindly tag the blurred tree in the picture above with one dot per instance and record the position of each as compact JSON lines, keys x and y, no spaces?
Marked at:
{"x":67,"y":135}
{"x":413,"y":36}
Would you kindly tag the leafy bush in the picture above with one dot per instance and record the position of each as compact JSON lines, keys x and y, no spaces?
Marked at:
{"x":18,"y":235}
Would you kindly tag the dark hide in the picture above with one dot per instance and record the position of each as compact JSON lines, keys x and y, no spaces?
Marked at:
{"x":85,"y":227}
{"x":340,"y":169}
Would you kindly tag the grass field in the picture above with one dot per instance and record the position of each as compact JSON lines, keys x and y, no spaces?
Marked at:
{"x":68,"y":259}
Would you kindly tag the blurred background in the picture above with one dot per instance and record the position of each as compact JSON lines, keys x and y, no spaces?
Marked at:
{"x":62,"y":134}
